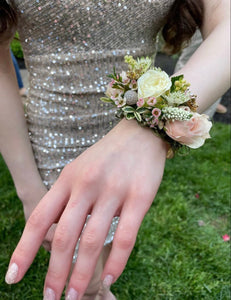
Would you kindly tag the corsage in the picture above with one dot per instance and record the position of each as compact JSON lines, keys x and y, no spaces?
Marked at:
{"x":165,"y":105}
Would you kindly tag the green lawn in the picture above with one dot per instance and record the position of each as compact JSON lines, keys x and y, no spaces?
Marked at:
{"x":174,"y":257}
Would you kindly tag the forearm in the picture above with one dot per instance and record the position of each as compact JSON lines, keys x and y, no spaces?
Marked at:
{"x":208,"y":70}
{"x":14,"y":140}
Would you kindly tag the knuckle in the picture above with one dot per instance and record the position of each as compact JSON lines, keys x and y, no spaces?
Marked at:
{"x":125,"y":240}
{"x":82,"y":276}
{"x":90,"y":174}
{"x":60,"y":240}
{"x":113,"y":184}
{"x":54,"y":276}
{"x":90,"y":240}
{"x":142,"y":199}
{"x":20,"y":251}
{"x":116,"y":266}
{"x":141,"y":193}
{"x":35,"y":219}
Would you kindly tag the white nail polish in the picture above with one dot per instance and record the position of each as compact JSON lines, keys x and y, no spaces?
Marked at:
{"x":72,"y":294}
{"x":49,"y":294}
{"x":11,"y":274}
{"x":107,"y":282}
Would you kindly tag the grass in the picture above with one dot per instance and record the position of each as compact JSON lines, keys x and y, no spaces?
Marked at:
{"x":174,"y":257}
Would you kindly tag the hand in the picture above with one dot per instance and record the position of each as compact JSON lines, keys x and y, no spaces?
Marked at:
{"x":119,"y":175}
{"x":30,"y":197}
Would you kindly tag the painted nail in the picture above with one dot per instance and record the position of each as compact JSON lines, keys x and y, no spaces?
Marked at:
{"x":72,"y":294}
{"x":11,"y":274}
{"x":107,"y":282}
{"x":49,"y":294}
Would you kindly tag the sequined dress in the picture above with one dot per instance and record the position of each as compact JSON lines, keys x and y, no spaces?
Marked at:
{"x":69,"y":48}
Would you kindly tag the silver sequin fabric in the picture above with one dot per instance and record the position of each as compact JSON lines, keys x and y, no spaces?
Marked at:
{"x":69,"y":48}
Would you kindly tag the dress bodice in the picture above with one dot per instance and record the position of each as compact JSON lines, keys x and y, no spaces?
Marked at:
{"x":51,"y":27}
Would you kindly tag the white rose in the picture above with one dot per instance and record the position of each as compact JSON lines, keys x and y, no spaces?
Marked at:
{"x":153,"y":83}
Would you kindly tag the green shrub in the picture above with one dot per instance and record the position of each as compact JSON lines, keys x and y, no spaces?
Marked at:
{"x":16,"y":46}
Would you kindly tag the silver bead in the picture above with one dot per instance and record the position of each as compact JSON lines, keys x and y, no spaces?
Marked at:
{"x":131,"y":97}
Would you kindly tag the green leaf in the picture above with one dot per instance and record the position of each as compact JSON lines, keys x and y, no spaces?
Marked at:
{"x":138,"y":116}
{"x":130,"y":116}
{"x":107,"y":100}
{"x":128,"y":109}
{"x":142,"y":110}
{"x":114,"y":71}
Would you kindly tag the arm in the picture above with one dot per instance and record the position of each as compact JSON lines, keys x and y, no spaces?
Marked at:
{"x":208,"y":70}
{"x":119,"y":175}
{"x":15,"y":145}
{"x":14,"y":139}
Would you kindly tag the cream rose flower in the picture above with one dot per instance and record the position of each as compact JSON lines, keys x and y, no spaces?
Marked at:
{"x":192,"y":132}
{"x":153,"y":83}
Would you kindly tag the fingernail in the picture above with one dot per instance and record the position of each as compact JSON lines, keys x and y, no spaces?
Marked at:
{"x":107,"y":282}
{"x":49,"y":294}
{"x":72,"y":294}
{"x":11,"y":273}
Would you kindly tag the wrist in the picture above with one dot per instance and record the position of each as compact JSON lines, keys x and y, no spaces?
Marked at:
{"x":30,"y":191}
{"x":144,"y":133}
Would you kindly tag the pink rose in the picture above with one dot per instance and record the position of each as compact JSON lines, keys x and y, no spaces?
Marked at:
{"x":191,"y":133}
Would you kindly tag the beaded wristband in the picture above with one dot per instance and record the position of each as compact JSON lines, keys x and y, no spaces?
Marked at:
{"x":155,"y":100}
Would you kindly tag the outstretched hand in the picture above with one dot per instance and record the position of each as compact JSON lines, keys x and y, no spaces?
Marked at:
{"x":118,"y":176}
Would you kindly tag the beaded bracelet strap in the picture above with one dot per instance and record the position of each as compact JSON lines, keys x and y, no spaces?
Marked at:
{"x":155,"y":100}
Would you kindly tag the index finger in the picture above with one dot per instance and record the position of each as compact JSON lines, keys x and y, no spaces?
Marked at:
{"x":34,"y":232}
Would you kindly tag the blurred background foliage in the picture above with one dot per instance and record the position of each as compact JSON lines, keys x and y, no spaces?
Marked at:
{"x":16,"y":47}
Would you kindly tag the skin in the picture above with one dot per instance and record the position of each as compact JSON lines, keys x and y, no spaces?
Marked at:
{"x":119,"y":175}
{"x":15,"y":145}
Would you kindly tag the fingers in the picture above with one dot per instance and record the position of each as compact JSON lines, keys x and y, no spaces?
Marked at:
{"x":65,"y":239}
{"x":125,"y":237}
{"x":35,"y":230}
{"x":91,"y":245}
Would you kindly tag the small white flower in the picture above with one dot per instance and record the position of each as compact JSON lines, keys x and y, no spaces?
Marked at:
{"x":124,"y":77}
{"x":177,"y":98}
{"x":120,"y":102}
{"x":176,"y":113}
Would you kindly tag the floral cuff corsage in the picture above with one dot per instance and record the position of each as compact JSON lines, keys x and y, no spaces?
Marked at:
{"x":155,"y":100}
